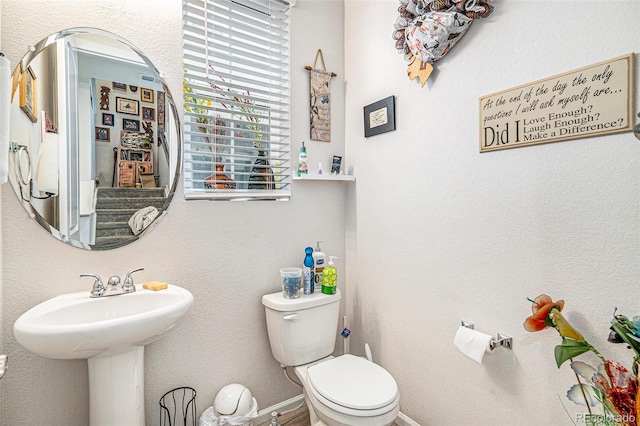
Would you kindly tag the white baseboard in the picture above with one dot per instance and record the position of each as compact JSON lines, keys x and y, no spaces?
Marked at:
{"x":264,"y":415}
{"x":404,"y":420}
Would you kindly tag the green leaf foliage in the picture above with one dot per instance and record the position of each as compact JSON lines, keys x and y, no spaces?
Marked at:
{"x":569,"y":349}
{"x":625,"y":334}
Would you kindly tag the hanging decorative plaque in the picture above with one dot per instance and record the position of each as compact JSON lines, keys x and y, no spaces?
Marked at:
{"x":589,"y":101}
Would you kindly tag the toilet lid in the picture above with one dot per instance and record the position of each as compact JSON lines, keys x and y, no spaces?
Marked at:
{"x":353,"y":382}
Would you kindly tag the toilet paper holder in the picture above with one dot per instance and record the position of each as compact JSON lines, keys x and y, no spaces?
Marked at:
{"x":500,"y":339}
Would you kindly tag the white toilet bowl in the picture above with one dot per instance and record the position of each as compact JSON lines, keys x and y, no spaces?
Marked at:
{"x":342,"y":391}
{"x":349,"y":391}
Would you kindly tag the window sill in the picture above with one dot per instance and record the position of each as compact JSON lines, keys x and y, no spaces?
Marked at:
{"x":317,"y":177}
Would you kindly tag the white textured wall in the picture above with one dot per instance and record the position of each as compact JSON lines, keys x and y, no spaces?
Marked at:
{"x":443,"y":233}
{"x":1,"y":269}
{"x":446,"y":234}
{"x":227,"y":254}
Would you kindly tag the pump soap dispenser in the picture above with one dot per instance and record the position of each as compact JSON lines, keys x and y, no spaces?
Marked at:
{"x":330,"y":277}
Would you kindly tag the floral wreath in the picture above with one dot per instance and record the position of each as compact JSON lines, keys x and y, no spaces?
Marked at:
{"x":426,"y":30}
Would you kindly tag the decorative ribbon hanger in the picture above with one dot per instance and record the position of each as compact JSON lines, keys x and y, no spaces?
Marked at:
{"x":324,"y":67}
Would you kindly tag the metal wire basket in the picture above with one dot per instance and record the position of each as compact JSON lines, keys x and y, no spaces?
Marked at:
{"x":178,"y":407}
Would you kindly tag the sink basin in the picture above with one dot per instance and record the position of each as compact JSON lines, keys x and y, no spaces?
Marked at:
{"x":110,"y":332}
{"x":75,"y":326}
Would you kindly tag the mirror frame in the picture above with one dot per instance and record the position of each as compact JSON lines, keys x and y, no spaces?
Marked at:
{"x":174,"y":140}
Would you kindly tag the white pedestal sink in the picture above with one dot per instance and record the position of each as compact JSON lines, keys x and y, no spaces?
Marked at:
{"x":110,"y":332}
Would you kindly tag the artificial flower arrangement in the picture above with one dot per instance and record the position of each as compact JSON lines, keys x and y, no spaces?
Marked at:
{"x":242,"y":106}
{"x":239,"y":101}
{"x":611,"y":386}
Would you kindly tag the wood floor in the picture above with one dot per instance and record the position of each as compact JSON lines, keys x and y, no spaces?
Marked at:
{"x":300,"y":417}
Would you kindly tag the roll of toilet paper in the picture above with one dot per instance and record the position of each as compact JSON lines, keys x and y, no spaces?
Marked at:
{"x":5,"y":109}
{"x":473,"y":344}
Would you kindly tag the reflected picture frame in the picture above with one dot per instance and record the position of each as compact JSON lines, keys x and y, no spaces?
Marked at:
{"x":131,"y":125}
{"x":149,"y":114}
{"x":29,"y":94}
{"x":103,"y":134}
{"x":127,"y":106}
{"x":146,"y":95}
{"x":108,"y":119}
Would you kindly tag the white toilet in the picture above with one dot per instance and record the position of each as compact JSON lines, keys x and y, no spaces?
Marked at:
{"x":339,"y":391}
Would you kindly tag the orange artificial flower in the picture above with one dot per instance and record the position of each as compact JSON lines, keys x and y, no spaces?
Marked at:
{"x":541,"y":307}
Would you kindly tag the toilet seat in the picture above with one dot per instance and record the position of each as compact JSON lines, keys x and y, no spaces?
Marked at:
{"x":353,"y":385}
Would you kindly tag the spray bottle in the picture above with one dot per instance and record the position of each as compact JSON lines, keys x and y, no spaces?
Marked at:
{"x":330,"y":277}
{"x":318,"y":265}
{"x":302,"y":161}
{"x":307,"y":271}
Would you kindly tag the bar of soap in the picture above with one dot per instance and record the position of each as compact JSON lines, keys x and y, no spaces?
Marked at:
{"x":154,"y":285}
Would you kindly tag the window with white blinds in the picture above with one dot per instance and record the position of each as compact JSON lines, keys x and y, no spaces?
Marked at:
{"x":236,"y":99}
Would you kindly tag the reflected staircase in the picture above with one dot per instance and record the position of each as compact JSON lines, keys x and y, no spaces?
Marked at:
{"x":115,"y":206}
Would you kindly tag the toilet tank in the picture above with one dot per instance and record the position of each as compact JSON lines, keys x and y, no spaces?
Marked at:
{"x":302,"y":330}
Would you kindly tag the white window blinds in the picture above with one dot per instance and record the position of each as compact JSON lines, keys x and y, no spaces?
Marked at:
{"x":236,"y":99}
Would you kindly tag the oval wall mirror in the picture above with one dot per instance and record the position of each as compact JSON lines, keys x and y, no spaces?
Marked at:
{"x":95,"y":139}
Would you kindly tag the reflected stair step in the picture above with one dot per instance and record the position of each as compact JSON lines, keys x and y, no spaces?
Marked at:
{"x":129,"y":203}
{"x":131,"y":192}
{"x":112,"y":229}
{"x":104,"y":242}
{"x":110,"y":215}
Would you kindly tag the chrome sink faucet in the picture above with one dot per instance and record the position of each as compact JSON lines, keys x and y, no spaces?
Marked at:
{"x":113,"y":286}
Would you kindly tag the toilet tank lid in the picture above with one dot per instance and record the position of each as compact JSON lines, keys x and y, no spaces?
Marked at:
{"x":276,"y":302}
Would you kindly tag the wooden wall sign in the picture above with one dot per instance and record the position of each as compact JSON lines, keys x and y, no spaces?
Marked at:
{"x":590,"y":101}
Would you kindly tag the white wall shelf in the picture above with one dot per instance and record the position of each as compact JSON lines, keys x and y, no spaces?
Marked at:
{"x":328,"y":176}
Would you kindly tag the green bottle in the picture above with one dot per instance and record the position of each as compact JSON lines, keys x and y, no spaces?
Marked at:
{"x":330,"y":277}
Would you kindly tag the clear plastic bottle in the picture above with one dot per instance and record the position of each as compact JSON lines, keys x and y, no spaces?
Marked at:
{"x":307,"y":271}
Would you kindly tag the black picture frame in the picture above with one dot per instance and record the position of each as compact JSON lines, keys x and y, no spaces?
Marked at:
{"x":131,"y":125}
{"x":380,"y":117}
{"x":119,"y":86}
{"x":107,"y":119}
